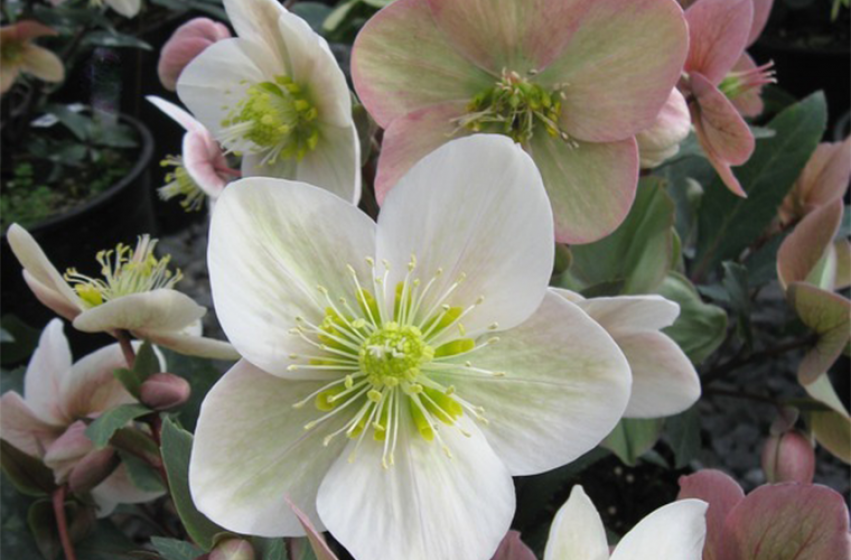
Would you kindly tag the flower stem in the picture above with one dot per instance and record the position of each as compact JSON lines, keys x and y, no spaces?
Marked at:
{"x":126,"y":347}
{"x":62,"y":522}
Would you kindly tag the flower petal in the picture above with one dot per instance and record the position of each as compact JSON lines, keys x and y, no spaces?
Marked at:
{"x":676,"y":531}
{"x":181,"y":117}
{"x":566,"y":385}
{"x":591,"y":187}
{"x":49,"y":365}
{"x":64,"y":453}
{"x":201,"y":158}
{"x":272,"y":243}
{"x":402,"y":62}
{"x":335,"y":163}
{"x":512,"y":548}
{"x":22,"y":428}
{"x":618,"y":66}
{"x":473,"y":207}
{"x":251,"y":451}
{"x":90,"y":387}
{"x":625,"y":315}
{"x":802,"y":250}
{"x":42,"y":63}
{"x":425,"y":506}
{"x":191,"y":345}
{"x":119,"y":489}
{"x":158,"y":310}
{"x":761,"y":11}
{"x":829,"y":315}
{"x":317,"y":541}
{"x":826,"y":175}
{"x":410,"y":138}
{"x":577,"y":532}
{"x":127,"y":8}
{"x":722,"y":493}
{"x":718,"y":33}
{"x":258,"y":21}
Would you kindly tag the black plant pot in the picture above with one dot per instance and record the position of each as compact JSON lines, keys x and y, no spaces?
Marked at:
{"x":117,"y":215}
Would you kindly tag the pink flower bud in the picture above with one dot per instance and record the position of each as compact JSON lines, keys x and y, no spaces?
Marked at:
{"x":188,"y":41}
{"x":232,"y":549}
{"x":789,"y":457}
{"x":662,"y":140}
{"x":92,"y":469}
{"x":163,"y":391}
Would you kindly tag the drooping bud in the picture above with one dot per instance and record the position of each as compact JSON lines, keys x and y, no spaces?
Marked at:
{"x":662,"y":140}
{"x":789,"y":457}
{"x":232,"y":549}
{"x":163,"y":391}
{"x":93,"y":469}
{"x":188,"y":41}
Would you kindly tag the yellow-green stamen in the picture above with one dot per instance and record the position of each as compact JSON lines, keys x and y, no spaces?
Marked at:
{"x":180,"y":183}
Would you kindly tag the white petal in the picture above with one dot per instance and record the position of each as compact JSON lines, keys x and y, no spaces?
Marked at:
{"x":259,"y":22}
{"x":127,"y":8}
{"x":91,"y":386}
{"x":189,"y":345}
{"x":177,"y":114}
{"x":51,"y":298}
{"x":22,"y":428}
{"x":577,"y":532}
{"x":159,"y":310}
{"x":566,"y":385}
{"x":476,"y":206}
{"x":664,"y":381}
{"x":272,"y":243}
{"x":627,"y":314}
{"x":335,"y":163}
{"x":676,"y":531}
{"x":424,"y":507}
{"x":251,"y":451}
{"x":119,"y":489}
{"x":49,"y":365}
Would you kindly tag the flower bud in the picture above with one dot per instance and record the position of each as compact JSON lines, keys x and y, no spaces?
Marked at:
{"x":92,"y":469}
{"x":188,"y":41}
{"x":789,"y":457}
{"x":163,"y":391}
{"x":232,"y":549}
{"x":662,"y":140}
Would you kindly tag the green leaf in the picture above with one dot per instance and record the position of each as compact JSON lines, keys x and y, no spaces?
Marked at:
{"x":25,"y":340}
{"x":314,"y":13}
{"x":683,"y":434}
{"x":146,"y":364}
{"x":637,"y":253}
{"x":176,"y":450}
{"x":141,"y":474}
{"x":28,"y":474}
{"x":106,"y":542}
{"x":833,"y":432}
{"x":116,"y":40}
{"x":729,"y":224}
{"x":336,"y":17}
{"x":173,"y":549}
{"x":762,"y":264}
{"x":42,"y":523}
{"x":6,"y":337}
{"x":701,"y":327}
{"x":633,"y":437}
{"x":271,"y":549}
{"x":17,"y":541}
{"x":101,"y":430}
{"x":75,"y":121}
{"x":735,"y":283}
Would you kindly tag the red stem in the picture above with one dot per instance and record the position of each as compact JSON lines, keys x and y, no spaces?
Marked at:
{"x":62,"y":523}
{"x":126,"y":347}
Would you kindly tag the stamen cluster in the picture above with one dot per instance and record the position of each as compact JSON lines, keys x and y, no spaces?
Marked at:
{"x":180,"y":183}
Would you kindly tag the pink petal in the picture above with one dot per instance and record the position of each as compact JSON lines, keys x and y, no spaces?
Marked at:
{"x":26,"y":30}
{"x":512,"y":548}
{"x":64,"y":453}
{"x":187,"y":42}
{"x":591,"y":186}
{"x":761,"y":11}
{"x":749,"y":102}
{"x":788,"y":522}
{"x":617,"y":67}
{"x":411,"y":138}
{"x":802,"y":250}
{"x":718,"y":30}
{"x":317,"y":541}
{"x":723,"y":494}
{"x":202,"y":159}
{"x":91,"y":387}
{"x":721,"y":131}
{"x":22,"y":428}
{"x":829,"y":315}
{"x":823,"y":180}
{"x":402,"y":62}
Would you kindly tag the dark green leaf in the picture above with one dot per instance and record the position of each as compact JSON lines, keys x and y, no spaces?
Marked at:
{"x":633,"y":437}
{"x":338,"y":15}
{"x":141,"y":474}
{"x":106,"y":542}
{"x":102,"y":429}
{"x":729,"y":224}
{"x":113,"y":135}
{"x":270,"y":549}
{"x":26,"y":339}
{"x":735,"y":282}
{"x":127,"y":378}
{"x":42,"y":522}
{"x":115,"y":39}
{"x":17,"y":541}
{"x":683,"y":434}
{"x":700,"y":329}
{"x":75,"y":121}
{"x":762,"y":265}
{"x":314,"y":13}
{"x":6,"y":337}
{"x":176,"y":450}
{"x":28,"y":474}
{"x":201,"y":374}
{"x":173,"y":549}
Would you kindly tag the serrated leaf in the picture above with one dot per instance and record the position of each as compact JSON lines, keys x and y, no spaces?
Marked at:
{"x":173,"y":549}
{"x":102,"y":429}
{"x":633,"y":437}
{"x":176,"y":451}
{"x":729,"y":224}
{"x":701,"y":327}
{"x":27,"y":474}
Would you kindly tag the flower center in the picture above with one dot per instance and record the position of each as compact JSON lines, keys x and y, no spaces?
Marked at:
{"x":275,"y":118}
{"x":514,"y":107}
{"x":125,"y":271}
{"x":393,"y":354}
{"x":180,"y":183}
{"x":735,"y":84}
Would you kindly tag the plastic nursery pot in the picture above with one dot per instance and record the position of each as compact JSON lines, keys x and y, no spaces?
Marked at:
{"x":73,"y":238}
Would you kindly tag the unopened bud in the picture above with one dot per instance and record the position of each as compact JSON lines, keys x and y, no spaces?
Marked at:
{"x":163,"y":391}
{"x":92,"y":469}
{"x":232,"y":549}
{"x":662,"y":140}
{"x":789,"y":457}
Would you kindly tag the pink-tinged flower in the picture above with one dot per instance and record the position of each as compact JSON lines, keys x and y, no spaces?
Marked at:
{"x":188,"y":41}
{"x":276,"y":95}
{"x":788,"y":521}
{"x":512,"y":548}
{"x":18,"y":54}
{"x":135,"y":294}
{"x":572,"y":81}
{"x":47,"y":422}
{"x":126,"y":8}
{"x":719,"y":32}
{"x":673,"y":532}
{"x":824,"y":179}
{"x":201,"y":169}
{"x":662,"y":140}
{"x":664,"y":381}
{"x":789,"y":457}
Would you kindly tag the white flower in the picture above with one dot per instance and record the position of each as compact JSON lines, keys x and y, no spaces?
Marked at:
{"x":396,"y":375}
{"x":135,"y":294}
{"x":276,"y":95}
{"x":47,"y":421}
{"x":676,"y":531}
{"x":664,"y":381}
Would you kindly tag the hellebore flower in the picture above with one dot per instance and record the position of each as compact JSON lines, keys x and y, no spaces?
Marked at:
{"x":719,"y":32}
{"x":824,"y":179}
{"x":662,"y":140}
{"x":201,"y":169}
{"x":664,"y":381}
{"x":396,"y":375}
{"x":188,"y":41}
{"x":673,"y":532}
{"x":135,"y":294}
{"x":19,"y":54}
{"x":788,"y":521}
{"x":744,"y":83}
{"x":47,"y":421}
{"x":789,"y":457}
{"x":126,"y":8}
{"x":276,"y":95}
{"x":572,"y":81}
